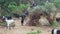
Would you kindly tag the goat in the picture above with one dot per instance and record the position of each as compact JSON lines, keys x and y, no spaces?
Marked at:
{"x":22,"y":20}
{"x":23,"y":16}
{"x":55,"y":31}
{"x":58,"y":19}
{"x":9,"y":21}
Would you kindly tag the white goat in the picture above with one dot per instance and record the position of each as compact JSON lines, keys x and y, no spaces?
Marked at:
{"x":9,"y":21}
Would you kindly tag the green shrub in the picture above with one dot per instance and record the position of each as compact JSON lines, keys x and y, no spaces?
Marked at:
{"x":17,"y":9}
{"x":38,"y":31}
{"x":56,"y":2}
{"x":33,"y":32}
{"x":47,"y":7}
{"x":54,"y":24}
{"x":50,"y":7}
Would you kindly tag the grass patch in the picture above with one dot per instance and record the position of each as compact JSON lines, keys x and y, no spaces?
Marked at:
{"x":54,"y":24}
{"x":35,"y":32}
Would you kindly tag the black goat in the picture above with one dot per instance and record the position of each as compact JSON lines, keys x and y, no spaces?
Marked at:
{"x":23,"y":17}
{"x":57,"y":19}
{"x":22,"y":20}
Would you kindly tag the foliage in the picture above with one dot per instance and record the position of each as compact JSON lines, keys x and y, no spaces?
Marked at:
{"x":54,"y":24}
{"x":47,"y":7}
{"x":42,"y":3}
{"x":17,"y":9}
{"x":33,"y":32}
{"x":56,"y":2}
{"x":35,"y":9}
{"x":1,"y":1}
{"x":4,"y":5}
{"x":8,"y":5}
{"x":50,"y":6}
{"x":43,"y":8}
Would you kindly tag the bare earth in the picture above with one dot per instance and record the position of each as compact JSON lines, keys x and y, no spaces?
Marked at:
{"x":25,"y":29}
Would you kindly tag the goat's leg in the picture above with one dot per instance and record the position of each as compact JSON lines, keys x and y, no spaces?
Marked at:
{"x":13,"y":25}
{"x":21,"y":22}
{"x":8,"y":26}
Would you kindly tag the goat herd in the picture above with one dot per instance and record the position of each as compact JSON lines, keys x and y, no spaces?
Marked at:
{"x":9,"y":19}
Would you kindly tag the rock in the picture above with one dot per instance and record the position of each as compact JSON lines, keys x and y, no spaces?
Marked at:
{"x":43,"y":21}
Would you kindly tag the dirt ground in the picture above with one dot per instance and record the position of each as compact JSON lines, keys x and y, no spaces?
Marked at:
{"x":25,"y":29}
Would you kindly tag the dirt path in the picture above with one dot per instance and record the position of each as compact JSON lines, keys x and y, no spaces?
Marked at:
{"x":24,"y":29}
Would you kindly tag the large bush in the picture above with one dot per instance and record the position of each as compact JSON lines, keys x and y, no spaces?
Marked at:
{"x":17,"y":9}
